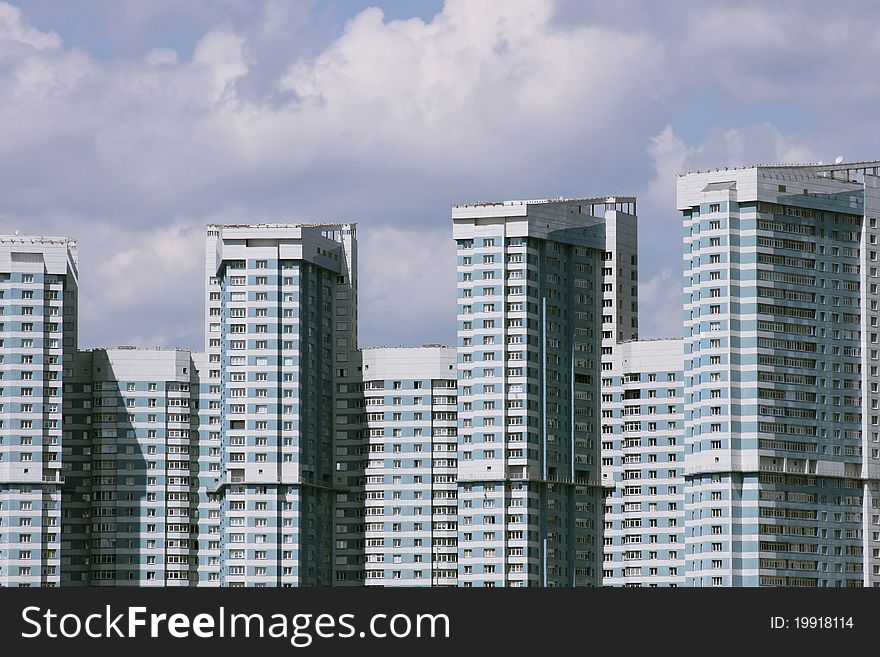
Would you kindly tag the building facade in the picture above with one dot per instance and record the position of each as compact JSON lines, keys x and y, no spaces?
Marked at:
{"x":38,"y":302}
{"x":643,"y":465}
{"x":780,"y":366}
{"x":532,"y":317}
{"x":130,"y":495}
{"x":281,"y":325}
{"x":550,"y":447}
{"x":410,"y":492}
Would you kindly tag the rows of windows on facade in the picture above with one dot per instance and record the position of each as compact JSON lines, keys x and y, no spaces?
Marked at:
{"x":549,"y":446}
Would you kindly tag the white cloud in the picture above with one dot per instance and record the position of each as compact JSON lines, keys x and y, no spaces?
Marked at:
{"x":146,"y":290}
{"x":788,"y":50}
{"x":161,"y":57}
{"x":407,"y":286}
{"x":221,"y":55}
{"x":391,"y":111}
{"x":484,"y":88}
{"x":661,"y":303}
{"x":669,"y":155}
{"x":749,"y":144}
{"x":13,"y":28}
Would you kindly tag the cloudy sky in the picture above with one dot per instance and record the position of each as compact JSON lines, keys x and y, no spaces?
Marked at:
{"x":130,"y":124}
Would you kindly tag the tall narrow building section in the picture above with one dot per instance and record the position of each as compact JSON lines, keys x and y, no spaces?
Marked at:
{"x":207,"y":451}
{"x":643,"y":465}
{"x":410,"y":477}
{"x":531,"y":322}
{"x":281,"y":327}
{"x":38,"y":340}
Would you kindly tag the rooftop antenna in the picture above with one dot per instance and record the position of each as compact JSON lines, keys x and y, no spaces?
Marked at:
{"x":838,"y":159}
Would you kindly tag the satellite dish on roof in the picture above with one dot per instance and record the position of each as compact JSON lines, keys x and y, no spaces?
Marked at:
{"x":838,"y":159}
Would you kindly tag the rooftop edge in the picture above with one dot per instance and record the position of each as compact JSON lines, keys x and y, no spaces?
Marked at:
{"x":817,"y":166}
{"x":540,"y":201}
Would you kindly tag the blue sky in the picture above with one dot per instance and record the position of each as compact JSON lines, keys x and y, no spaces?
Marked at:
{"x":129,"y":125}
{"x":110,"y":29}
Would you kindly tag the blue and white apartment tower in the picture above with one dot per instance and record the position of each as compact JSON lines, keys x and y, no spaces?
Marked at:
{"x":281,"y":325}
{"x":130,"y":495}
{"x":643,"y":465}
{"x":38,"y":301}
{"x":410,"y":491}
{"x":532,"y":318}
{"x":782,"y":440}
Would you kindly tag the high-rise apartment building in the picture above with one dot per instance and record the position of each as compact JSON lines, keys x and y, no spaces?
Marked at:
{"x":532,"y":317}
{"x":410,"y":510}
{"x":642,"y":431}
{"x":281,"y":325}
{"x":780,"y":363}
{"x":130,"y":496}
{"x":38,"y":301}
